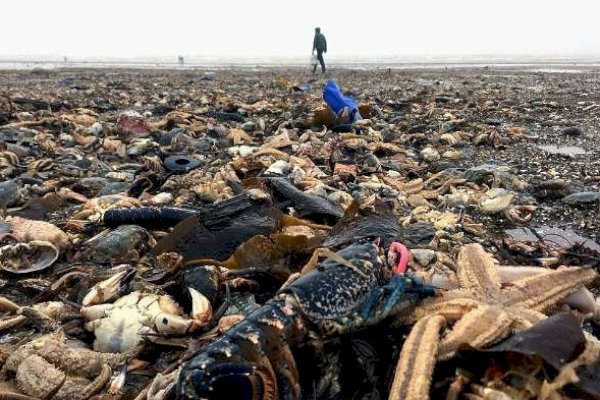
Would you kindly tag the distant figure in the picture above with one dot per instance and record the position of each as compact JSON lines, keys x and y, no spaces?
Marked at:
{"x":320,"y":45}
{"x":66,"y":60}
{"x":180,"y":60}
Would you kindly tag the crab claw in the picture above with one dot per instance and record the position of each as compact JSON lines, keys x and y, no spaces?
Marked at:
{"x":109,"y":289}
{"x":169,"y":323}
{"x":401,"y":255}
{"x":201,"y":309}
{"x":520,"y":214}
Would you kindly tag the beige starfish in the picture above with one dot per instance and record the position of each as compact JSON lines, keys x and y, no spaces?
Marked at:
{"x":238,"y":136}
{"x":483,"y":312}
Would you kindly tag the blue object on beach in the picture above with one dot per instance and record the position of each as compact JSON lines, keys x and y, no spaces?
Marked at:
{"x":332,"y":94}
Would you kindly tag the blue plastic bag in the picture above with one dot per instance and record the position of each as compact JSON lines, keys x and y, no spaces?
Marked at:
{"x":332,"y":94}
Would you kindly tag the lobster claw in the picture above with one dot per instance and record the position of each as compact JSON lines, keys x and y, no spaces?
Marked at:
{"x":228,"y":380}
{"x":401,"y":292}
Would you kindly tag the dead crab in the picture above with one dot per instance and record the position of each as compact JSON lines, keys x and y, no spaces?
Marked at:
{"x":94,"y":209}
{"x":43,"y":316}
{"x":47,"y":367}
{"x":126,"y":243}
{"x":26,"y":230}
{"x":501,"y":200}
{"x":121,"y":326}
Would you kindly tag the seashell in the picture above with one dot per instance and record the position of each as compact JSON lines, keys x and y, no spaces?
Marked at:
{"x":480,"y":139}
{"x":23,"y":258}
{"x":457,"y":198}
{"x":120,"y":176}
{"x":449,"y":139}
{"x":279,"y":167}
{"x":140,"y":146}
{"x":160,"y":199}
{"x":430,"y":154}
{"x":242,"y":150}
{"x":452,"y":155}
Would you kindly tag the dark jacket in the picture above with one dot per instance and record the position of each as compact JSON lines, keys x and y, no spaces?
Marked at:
{"x":320,"y":44}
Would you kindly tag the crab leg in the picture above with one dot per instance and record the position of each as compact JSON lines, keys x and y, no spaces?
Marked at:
{"x":97,"y":384}
{"x":15,"y":396}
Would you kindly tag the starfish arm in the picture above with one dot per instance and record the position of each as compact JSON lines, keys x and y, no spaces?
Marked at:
{"x":524,"y":318}
{"x":451,"y":309}
{"x":413,"y":374}
{"x":478,"y":328}
{"x":477,"y":271}
{"x":540,"y":292}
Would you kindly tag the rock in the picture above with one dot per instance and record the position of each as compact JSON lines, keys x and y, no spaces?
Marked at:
{"x":132,"y":124}
{"x":568,"y":151}
{"x":582,"y":198}
{"x":278,"y":168}
{"x":10,"y":192}
{"x":572,"y":131}
{"x":95,"y":129}
{"x":423,"y":256}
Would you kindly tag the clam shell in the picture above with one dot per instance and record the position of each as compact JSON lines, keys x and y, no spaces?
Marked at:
{"x":24,"y":258}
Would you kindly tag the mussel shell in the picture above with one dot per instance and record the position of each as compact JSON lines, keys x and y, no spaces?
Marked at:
{"x":37,"y":255}
{"x":205,"y":279}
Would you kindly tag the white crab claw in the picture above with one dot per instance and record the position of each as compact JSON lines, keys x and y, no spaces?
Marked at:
{"x":201,"y":309}
{"x":170,"y":323}
{"x":107,"y":289}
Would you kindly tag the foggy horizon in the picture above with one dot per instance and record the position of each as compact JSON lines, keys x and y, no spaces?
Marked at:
{"x":431,"y":28}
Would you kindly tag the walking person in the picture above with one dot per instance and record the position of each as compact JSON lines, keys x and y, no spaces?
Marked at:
{"x":320,"y":45}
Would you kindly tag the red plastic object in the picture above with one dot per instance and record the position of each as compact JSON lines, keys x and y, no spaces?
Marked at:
{"x":401,"y":249}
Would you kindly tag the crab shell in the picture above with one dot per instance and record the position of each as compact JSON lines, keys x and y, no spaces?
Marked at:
{"x":26,"y":230}
{"x":23,"y":258}
{"x":496,"y":200}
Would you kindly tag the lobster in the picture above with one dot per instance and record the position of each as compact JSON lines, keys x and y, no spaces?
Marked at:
{"x":353,"y":289}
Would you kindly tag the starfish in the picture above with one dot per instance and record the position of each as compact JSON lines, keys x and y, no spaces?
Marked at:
{"x":482,"y":311}
{"x":238,"y":136}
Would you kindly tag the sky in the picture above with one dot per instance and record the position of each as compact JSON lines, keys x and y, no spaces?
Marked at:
{"x":244,"y":28}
